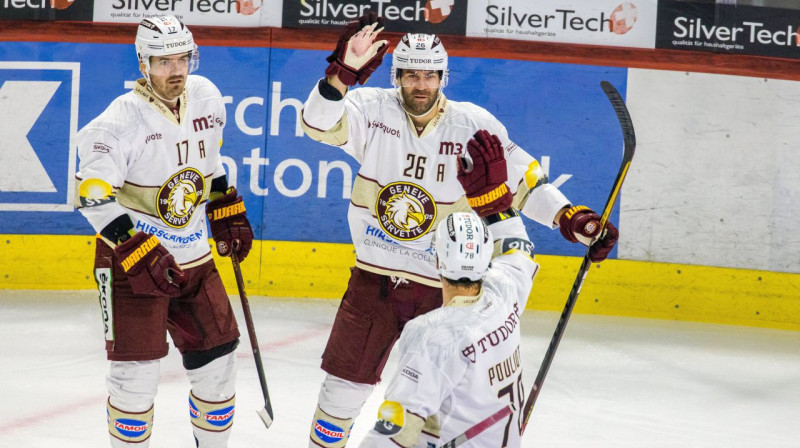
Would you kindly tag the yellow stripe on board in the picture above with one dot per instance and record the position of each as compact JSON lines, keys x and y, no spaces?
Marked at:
{"x":615,"y":287}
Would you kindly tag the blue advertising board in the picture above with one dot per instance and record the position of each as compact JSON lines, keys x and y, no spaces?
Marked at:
{"x":299,"y":188}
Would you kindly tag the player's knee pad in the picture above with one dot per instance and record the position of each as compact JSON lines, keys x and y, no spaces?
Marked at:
{"x":216,"y":380}
{"x":343,"y":398}
{"x":403,"y":427}
{"x":195,"y":360}
{"x":129,"y":427}
{"x":212,"y":401}
{"x":329,"y":431}
{"x":132,"y":385}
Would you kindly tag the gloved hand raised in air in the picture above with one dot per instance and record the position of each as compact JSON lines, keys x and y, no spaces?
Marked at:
{"x":482,"y":172}
{"x":582,"y":224}
{"x":229,"y":225}
{"x":150,"y":268}
{"x":357,"y":54}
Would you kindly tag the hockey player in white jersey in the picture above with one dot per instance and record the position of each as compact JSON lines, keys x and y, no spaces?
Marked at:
{"x":149,"y":173}
{"x":461,"y":363}
{"x":407,"y":140}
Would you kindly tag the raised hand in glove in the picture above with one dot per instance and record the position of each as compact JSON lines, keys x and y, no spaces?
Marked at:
{"x":357,"y":54}
{"x":483,"y":174}
{"x":150,"y":268}
{"x":582,"y":224}
{"x":229,"y":225}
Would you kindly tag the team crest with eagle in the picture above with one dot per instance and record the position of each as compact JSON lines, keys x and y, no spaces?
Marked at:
{"x":405,"y":210}
{"x":179,"y":196}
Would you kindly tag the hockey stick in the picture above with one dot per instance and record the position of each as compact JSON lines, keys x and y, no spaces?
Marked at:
{"x":629,"y":146}
{"x":629,"y":141}
{"x":480,"y":427}
{"x":266,"y":413}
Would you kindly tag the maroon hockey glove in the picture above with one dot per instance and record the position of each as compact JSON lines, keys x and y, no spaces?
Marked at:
{"x":150,"y":268}
{"x":600,"y":249}
{"x":229,"y":225}
{"x":484,"y":181}
{"x":357,"y":55}
{"x":582,"y":224}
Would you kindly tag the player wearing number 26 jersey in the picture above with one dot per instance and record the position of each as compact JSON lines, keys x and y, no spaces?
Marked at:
{"x":408,"y":140}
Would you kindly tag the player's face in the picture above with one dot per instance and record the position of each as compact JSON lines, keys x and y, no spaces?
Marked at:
{"x":420,"y":89}
{"x":168,"y":74}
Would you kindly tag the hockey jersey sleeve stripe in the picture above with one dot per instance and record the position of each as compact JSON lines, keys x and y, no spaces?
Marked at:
{"x":365,"y":193}
{"x":144,"y":199}
{"x":335,"y":136}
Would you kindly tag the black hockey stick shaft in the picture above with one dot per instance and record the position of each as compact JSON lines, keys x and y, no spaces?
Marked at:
{"x":629,"y":144}
{"x":266,"y":413}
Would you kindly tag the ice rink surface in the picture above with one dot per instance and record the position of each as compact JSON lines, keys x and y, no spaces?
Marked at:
{"x":615,"y":382}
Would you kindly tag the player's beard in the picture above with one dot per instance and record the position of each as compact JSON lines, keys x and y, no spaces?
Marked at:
{"x":169,"y":87}
{"x":414,"y":103}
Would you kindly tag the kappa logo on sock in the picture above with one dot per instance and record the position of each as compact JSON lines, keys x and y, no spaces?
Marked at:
{"x":328,"y":432}
{"x":130,"y":428}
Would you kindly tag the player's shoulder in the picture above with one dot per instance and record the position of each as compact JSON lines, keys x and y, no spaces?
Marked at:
{"x":120,"y":117}
{"x":372,"y":96}
{"x":441,"y":332}
{"x":502,"y":280}
{"x":201,"y":88}
{"x":470,"y":114}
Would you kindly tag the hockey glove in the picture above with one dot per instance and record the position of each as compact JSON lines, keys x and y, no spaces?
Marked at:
{"x":482,"y":172}
{"x":229,"y":225}
{"x":582,"y":224}
{"x":150,"y":268}
{"x":357,"y":55}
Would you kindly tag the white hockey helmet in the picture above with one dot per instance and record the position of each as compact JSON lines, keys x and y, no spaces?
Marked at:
{"x":164,"y":35}
{"x":419,"y":52}
{"x":463,"y":247}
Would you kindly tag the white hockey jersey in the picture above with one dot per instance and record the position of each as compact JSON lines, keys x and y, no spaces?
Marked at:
{"x":407,"y":180}
{"x":137,"y":158}
{"x":462,"y":362}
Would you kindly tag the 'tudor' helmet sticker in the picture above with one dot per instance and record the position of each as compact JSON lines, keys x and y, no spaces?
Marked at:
{"x":405,"y":210}
{"x":179,"y":196}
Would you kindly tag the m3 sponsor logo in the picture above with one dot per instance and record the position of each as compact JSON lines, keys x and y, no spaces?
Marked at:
{"x":207,"y":122}
{"x":38,"y":121}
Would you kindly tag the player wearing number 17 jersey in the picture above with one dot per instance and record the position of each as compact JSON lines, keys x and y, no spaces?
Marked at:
{"x":150,"y":180}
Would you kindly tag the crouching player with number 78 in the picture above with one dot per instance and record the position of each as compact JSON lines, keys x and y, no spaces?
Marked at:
{"x":461,"y":363}
{"x":150,"y":181}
